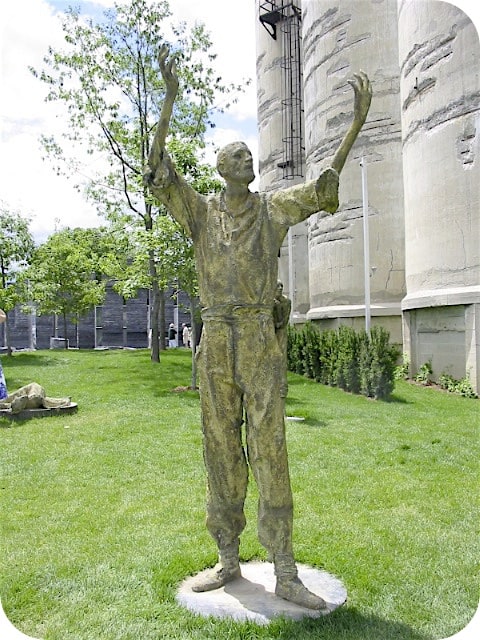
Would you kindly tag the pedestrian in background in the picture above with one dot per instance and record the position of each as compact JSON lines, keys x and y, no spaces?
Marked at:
{"x":172,"y":336}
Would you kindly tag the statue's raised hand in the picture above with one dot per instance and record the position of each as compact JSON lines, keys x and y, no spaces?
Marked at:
{"x":168,"y":70}
{"x":363,"y":96}
{"x":157,"y":171}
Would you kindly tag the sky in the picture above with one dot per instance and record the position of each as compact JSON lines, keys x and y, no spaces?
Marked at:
{"x":28,"y":184}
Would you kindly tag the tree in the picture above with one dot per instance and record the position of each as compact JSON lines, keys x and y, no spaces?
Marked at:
{"x":109,"y":80}
{"x":16,"y":246}
{"x":64,"y":275}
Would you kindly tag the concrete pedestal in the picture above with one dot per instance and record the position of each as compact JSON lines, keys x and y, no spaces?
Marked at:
{"x":252,"y":597}
{"x":41,"y":412}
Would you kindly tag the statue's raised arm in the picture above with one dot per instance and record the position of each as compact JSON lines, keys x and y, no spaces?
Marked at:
{"x":169,"y":74}
{"x":363,"y":97}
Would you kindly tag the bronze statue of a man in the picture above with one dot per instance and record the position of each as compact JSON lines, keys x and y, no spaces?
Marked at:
{"x":237,"y":235}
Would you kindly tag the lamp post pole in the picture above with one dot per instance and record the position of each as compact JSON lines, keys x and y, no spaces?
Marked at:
{"x":366,"y":244}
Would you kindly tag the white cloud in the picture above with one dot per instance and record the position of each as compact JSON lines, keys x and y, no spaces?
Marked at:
{"x":28,"y":28}
{"x":232,"y":28}
{"x":29,"y":184}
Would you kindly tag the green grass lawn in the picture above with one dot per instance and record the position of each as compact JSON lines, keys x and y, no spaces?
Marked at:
{"x":103,"y":511}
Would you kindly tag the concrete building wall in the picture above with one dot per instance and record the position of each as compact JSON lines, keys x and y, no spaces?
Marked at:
{"x":269,"y":92}
{"x":117,"y":323}
{"x":440,"y":100}
{"x":341,"y":37}
{"x":293,"y":263}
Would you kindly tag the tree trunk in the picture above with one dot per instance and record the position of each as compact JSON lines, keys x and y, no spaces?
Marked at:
{"x":161,"y":321}
{"x":194,"y":351}
{"x":7,"y":336}
{"x":156,"y":297}
{"x":7,"y":333}
{"x":194,"y":315}
{"x":65,"y":329}
{"x":154,"y":314}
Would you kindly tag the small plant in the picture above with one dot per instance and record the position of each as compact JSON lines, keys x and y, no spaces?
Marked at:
{"x":463,"y":386}
{"x":424,"y":373}
{"x":447,"y":382}
{"x":402,"y":370}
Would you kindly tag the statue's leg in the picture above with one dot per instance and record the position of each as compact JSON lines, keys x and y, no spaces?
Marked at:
{"x":267,"y":455}
{"x":26,"y":390}
{"x":28,"y":397}
{"x":15,"y":403}
{"x":226,"y":466}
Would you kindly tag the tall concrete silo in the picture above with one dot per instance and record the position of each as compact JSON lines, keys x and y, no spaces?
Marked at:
{"x":280,"y":128}
{"x":440,"y":100}
{"x":341,"y":37}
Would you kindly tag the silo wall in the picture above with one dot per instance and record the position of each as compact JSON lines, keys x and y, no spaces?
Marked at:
{"x":440,"y":101}
{"x":293,"y":263}
{"x":341,"y":37}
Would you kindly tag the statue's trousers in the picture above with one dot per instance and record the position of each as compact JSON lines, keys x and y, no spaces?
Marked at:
{"x":241,"y":371}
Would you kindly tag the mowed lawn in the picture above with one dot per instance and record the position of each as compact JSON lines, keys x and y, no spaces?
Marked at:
{"x":103,"y":511}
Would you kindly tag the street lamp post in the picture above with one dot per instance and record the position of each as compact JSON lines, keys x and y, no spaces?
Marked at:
{"x":366,"y":244}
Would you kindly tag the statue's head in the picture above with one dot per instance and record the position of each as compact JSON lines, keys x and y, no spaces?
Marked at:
{"x":235,"y":163}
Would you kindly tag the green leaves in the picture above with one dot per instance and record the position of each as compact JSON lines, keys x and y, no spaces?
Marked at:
{"x":16,"y":247}
{"x":64,"y":276}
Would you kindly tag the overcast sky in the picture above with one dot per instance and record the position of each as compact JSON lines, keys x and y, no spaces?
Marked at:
{"x":29,"y":184}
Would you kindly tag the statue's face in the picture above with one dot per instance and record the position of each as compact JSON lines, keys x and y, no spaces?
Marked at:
{"x":236,"y":163}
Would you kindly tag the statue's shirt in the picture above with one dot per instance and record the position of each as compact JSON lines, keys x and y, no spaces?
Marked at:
{"x":236,"y":251}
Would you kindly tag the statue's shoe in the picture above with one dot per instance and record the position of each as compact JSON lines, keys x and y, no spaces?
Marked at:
{"x":295,"y":591}
{"x":216,"y":578}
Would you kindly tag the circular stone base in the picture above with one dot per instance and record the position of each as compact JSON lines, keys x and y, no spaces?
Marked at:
{"x":27,"y":414}
{"x":252,"y":597}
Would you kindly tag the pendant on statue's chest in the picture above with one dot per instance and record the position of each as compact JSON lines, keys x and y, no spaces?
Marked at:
{"x":229,"y":220}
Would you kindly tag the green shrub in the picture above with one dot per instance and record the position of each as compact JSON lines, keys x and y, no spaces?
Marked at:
{"x":348,"y":364}
{"x":311,"y":352}
{"x":328,"y":349}
{"x":295,"y":356}
{"x":354,"y":361}
{"x":381,"y":372}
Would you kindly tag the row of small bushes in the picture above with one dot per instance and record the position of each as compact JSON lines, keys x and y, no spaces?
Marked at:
{"x":356,"y":361}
